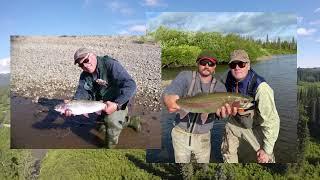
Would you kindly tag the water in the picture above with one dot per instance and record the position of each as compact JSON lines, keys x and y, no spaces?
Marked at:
{"x":280,"y":72}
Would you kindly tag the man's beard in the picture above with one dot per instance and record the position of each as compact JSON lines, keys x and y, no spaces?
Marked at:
{"x":205,"y":74}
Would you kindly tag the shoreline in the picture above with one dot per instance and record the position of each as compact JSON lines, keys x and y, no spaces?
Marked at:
{"x":259,"y":59}
{"x":265,"y":58}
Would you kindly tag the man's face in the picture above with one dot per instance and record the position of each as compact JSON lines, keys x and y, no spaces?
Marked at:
{"x":206,"y":67}
{"x":239,"y":69}
{"x":89,"y":63}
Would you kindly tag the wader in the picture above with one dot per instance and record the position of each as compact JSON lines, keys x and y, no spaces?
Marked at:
{"x":115,"y":122}
{"x":242,"y":126}
{"x":186,"y":142}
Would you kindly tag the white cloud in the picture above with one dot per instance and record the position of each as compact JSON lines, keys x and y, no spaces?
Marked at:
{"x":306,"y":32}
{"x":256,"y":25}
{"x":123,"y":32}
{"x":117,"y":6}
{"x":153,"y":3}
{"x":318,"y":40}
{"x":138,"y":28}
{"x":299,"y":19}
{"x":316,"y":22}
{"x":5,"y":65}
{"x":317,"y":10}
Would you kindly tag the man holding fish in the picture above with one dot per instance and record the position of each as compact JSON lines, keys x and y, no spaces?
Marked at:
{"x":191,"y":133}
{"x":103,"y":79}
{"x":258,"y":126}
{"x":250,"y":102}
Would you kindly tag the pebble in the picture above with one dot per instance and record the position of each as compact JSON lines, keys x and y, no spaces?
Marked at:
{"x":42,"y":66}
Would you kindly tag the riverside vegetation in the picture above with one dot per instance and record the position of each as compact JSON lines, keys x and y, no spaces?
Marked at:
{"x":181,"y":48}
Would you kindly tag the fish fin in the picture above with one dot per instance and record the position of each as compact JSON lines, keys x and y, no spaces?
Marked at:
{"x":86,"y":115}
{"x":98,"y":112}
{"x":183,"y":114}
{"x":204,"y":117}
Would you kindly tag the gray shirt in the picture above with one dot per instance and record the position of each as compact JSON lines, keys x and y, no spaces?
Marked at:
{"x":180,"y":86}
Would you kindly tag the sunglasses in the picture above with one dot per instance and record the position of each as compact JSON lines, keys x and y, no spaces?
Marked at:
{"x":204,"y":63}
{"x":84,"y":61}
{"x":241,"y":64}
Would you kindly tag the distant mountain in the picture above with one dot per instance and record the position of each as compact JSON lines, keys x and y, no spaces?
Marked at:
{"x":5,"y":79}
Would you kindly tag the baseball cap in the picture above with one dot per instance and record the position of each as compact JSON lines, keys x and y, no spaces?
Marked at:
{"x":206,"y":55}
{"x":239,"y":55}
{"x":80,"y":54}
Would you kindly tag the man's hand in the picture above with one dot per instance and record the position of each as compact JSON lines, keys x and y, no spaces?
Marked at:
{"x":110,"y":107}
{"x":67,"y":112}
{"x":262,"y":156}
{"x":226,"y":111}
{"x":171,"y":102}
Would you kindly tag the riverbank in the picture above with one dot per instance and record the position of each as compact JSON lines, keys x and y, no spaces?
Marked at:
{"x":270,"y":57}
{"x":265,"y":58}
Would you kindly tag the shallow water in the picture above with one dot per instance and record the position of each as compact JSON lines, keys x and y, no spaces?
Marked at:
{"x":38,"y":126}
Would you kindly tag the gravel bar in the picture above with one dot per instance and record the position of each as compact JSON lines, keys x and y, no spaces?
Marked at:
{"x":42,"y":66}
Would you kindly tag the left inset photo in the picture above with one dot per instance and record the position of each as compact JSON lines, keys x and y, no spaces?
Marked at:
{"x":85,"y":92}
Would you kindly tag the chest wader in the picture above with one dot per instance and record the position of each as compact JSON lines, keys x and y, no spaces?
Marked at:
{"x":245,"y":128}
{"x":115,"y":122}
{"x":188,"y":168}
{"x":192,"y":121}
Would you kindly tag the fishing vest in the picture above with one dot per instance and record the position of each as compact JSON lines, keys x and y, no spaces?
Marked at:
{"x":192,"y":118}
{"x":100,"y":88}
{"x":193,"y":82}
{"x":248,"y":87}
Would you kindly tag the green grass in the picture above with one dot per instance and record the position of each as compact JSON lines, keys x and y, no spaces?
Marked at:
{"x":14,"y":164}
{"x":4,"y":138}
{"x":96,"y":164}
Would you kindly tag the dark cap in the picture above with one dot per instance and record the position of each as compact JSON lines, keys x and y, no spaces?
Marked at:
{"x":80,"y":54}
{"x":239,"y":55}
{"x":206,"y":55}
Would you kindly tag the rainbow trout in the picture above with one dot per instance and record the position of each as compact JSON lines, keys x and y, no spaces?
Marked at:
{"x":79,"y":107}
{"x":206,"y":103}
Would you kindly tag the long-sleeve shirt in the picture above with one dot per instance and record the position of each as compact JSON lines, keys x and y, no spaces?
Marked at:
{"x":119,"y":87}
{"x":266,"y":116}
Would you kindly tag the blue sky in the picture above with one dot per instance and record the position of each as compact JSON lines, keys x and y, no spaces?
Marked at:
{"x":110,"y":17}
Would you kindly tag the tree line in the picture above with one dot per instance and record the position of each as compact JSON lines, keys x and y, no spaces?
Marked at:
{"x":181,"y":48}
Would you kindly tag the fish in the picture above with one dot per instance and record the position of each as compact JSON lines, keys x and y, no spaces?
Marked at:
{"x":206,"y":103}
{"x":81,"y":107}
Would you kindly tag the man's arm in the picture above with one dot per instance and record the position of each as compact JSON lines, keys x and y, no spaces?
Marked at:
{"x":177,"y":88}
{"x":268,"y":112}
{"x":123,"y":80}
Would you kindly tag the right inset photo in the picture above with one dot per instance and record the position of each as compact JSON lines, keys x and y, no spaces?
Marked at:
{"x":229,"y":87}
